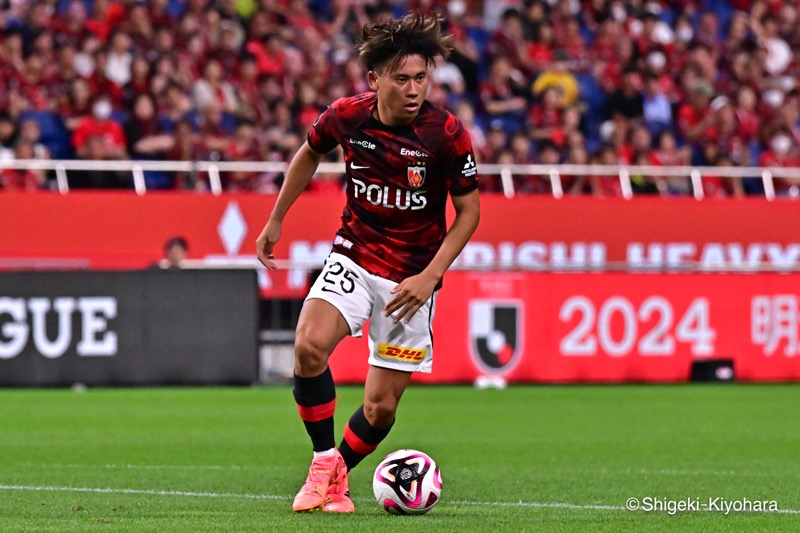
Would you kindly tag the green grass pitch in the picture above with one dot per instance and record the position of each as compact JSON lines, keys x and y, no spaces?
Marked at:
{"x":543,"y":458}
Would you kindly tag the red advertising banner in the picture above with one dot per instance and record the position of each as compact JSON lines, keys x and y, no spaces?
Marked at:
{"x":123,"y":230}
{"x":559,"y":328}
{"x":505,"y":320}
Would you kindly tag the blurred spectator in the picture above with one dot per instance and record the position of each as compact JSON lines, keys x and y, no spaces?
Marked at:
{"x":642,"y":184}
{"x":541,"y":45}
{"x":502,"y":94}
{"x":176,"y":249}
{"x":214,"y":126}
{"x":99,"y":126}
{"x":76,"y":103}
{"x":8,"y":136}
{"x":308,"y":108}
{"x":656,"y":108}
{"x":728,"y":134}
{"x":32,"y":87}
{"x":626,"y":103}
{"x":139,"y":27}
{"x":139,"y":82}
{"x":174,"y":106}
{"x":22,"y":179}
{"x":31,"y":133}
{"x":244,"y":146}
{"x":696,"y":117}
{"x":281,"y":134}
{"x":213,"y":88}
{"x":70,"y":29}
{"x":667,"y":153}
{"x":65,"y":67}
{"x":782,"y":152}
{"x":245,"y":86}
{"x":186,"y":146}
{"x":105,"y":17}
{"x":119,"y":59}
{"x":604,"y":184}
{"x":574,"y":185}
{"x":749,"y":121}
{"x":508,"y":41}
{"x":536,"y":184}
{"x":143,"y":137}
{"x":496,"y":142}
{"x":96,"y":148}
{"x":558,"y":75}
{"x":722,"y":187}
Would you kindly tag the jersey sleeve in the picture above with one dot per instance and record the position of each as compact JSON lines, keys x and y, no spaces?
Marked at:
{"x":323,"y":135}
{"x":461,"y":169}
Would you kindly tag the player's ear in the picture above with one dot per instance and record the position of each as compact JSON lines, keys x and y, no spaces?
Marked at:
{"x":372,"y":79}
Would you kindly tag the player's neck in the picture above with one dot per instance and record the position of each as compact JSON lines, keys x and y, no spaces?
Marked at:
{"x":386,"y":118}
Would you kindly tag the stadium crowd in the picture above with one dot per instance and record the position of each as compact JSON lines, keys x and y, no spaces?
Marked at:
{"x":657,"y":82}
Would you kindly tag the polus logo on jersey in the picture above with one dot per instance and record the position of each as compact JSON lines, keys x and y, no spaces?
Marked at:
{"x":416,"y":176}
{"x":495,"y":334}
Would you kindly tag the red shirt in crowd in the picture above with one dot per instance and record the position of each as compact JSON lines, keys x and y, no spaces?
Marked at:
{"x":110,"y":131}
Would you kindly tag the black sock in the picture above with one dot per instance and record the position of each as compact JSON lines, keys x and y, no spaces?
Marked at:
{"x":316,"y":402}
{"x":360,"y":438}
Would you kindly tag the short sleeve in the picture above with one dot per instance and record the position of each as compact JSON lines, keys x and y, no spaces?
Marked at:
{"x":461,"y":170}
{"x":323,"y":135}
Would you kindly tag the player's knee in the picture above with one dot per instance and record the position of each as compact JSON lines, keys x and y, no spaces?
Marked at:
{"x":310,"y":356}
{"x":380,"y":414}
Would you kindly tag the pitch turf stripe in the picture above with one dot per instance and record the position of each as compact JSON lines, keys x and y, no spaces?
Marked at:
{"x":148,"y":492}
{"x":155,"y":467}
{"x":272,"y":467}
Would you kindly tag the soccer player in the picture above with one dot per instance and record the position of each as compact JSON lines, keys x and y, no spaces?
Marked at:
{"x":403,"y":156}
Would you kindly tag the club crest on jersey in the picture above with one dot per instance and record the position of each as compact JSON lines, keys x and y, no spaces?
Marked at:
{"x":416,"y":176}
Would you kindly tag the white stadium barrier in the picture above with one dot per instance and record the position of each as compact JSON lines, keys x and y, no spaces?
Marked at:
{"x":506,"y":172}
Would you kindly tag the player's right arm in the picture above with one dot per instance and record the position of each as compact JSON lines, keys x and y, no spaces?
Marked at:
{"x":298,"y":176}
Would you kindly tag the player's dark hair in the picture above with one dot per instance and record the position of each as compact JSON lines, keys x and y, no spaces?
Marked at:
{"x":384,"y":44}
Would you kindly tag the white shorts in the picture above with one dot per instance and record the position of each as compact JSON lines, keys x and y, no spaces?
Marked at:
{"x":359,"y":295}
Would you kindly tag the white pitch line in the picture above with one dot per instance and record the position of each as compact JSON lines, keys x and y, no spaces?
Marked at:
{"x":151,"y":492}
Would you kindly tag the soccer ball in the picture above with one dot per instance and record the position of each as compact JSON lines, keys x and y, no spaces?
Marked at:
{"x":407,"y":482}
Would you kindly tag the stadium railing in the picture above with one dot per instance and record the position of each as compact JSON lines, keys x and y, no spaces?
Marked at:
{"x":506,"y":172}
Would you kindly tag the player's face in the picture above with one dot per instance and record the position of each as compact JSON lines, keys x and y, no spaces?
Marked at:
{"x":401,"y":91}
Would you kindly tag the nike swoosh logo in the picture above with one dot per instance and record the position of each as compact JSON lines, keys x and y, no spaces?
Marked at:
{"x":326,"y":289}
{"x":356,"y":167}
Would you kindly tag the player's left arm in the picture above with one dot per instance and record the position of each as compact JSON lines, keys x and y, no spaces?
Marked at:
{"x":413,"y":292}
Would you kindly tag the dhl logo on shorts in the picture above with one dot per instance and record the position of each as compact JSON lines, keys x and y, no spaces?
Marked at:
{"x":401,"y":353}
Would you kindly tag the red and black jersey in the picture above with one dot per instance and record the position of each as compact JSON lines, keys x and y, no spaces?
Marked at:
{"x":398,"y":179}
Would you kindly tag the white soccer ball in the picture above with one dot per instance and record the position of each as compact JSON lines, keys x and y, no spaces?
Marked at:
{"x":407,"y":482}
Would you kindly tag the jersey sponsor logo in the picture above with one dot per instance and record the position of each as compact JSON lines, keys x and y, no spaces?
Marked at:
{"x":413,"y":153}
{"x":400,"y":353}
{"x":416,"y":176}
{"x":389,"y":197}
{"x":357,"y":167}
{"x":470,"y":169}
{"x":362,"y":143}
